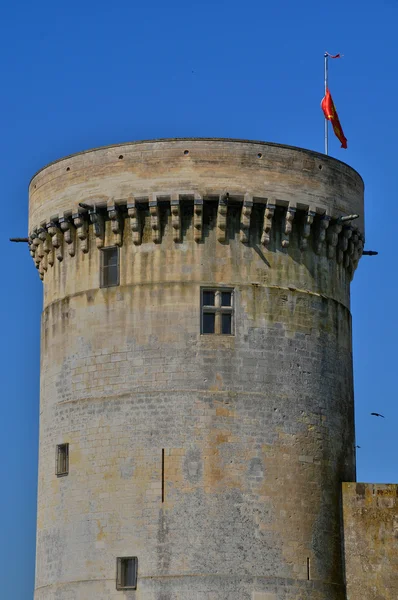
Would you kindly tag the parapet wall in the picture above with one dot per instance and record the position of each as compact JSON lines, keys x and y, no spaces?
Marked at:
{"x":147,"y":191}
{"x":281,"y":174}
{"x":371,"y":540}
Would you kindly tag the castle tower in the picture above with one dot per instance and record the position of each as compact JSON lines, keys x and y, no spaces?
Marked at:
{"x":196,"y":417}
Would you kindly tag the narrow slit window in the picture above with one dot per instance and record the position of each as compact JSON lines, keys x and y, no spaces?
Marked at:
{"x":126,"y":576}
{"x":162,"y":474}
{"x":217,"y":312}
{"x":62,"y":461}
{"x":109,"y":266}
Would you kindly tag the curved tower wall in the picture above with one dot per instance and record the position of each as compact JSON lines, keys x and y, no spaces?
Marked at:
{"x":216,"y":460}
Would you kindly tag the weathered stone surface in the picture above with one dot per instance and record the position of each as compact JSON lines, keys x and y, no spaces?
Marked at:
{"x":296,"y":176}
{"x":371,"y":540}
{"x":257,"y":428}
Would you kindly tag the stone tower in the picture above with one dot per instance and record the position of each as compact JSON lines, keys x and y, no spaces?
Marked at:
{"x":196,"y":417}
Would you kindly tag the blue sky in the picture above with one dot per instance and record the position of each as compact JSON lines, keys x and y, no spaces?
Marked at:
{"x":82,"y":74}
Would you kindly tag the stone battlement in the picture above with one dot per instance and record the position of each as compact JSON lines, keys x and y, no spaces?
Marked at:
{"x":268,"y":221}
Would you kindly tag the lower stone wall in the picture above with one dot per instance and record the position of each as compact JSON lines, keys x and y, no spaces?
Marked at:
{"x":371,"y":540}
{"x":222,"y":587}
{"x":248,"y":436}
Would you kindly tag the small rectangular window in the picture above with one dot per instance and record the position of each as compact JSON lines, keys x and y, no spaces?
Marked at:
{"x":217,"y":312}
{"x":109,"y":266}
{"x":126,"y":573}
{"x":62,"y":461}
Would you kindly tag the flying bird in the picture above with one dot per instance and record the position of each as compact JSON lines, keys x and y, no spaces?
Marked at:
{"x":377,"y":415}
{"x":357,"y":446}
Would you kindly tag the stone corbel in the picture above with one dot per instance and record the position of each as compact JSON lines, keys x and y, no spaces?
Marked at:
{"x":41,"y":270}
{"x":32,"y":244}
{"x":332,"y":238}
{"x":155,"y":220}
{"x":267,"y":226}
{"x":135,"y":224}
{"x":359,"y":250}
{"x":99,"y":227}
{"x":198,"y":218}
{"x":44,"y":261}
{"x":39,"y":251}
{"x":56,"y":239}
{"x":323,"y":226}
{"x":69,"y":232}
{"x":353,"y":242}
{"x":245,"y":218}
{"x":352,"y":248}
{"x":35,"y":242}
{"x":361,"y":245}
{"x":343,"y":245}
{"x":47,"y":247}
{"x":222,"y":218}
{"x":39,"y":254}
{"x":116,"y":223}
{"x":288,"y":226}
{"x":82,"y":230}
{"x":305,"y":234}
{"x":355,"y":247}
{"x":176,"y":217}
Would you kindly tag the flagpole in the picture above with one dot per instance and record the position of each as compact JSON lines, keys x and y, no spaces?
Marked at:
{"x":326,"y":121}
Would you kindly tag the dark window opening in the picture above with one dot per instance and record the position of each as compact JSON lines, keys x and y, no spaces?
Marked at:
{"x":226,"y":324}
{"x":208,"y":298}
{"x":109,"y":266}
{"x":126,"y":576}
{"x":62,"y":463}
{"x":209,"y":321}
{"x":226,"y":298}
{"x":217,"y":307}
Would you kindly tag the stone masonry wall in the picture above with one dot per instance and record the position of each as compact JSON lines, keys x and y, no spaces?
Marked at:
{"x":371,"y":540}
{"x":256,"y":428}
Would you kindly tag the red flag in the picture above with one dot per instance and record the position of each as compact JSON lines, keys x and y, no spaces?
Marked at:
{"x":330,"y":113}
{"x":334,"y":55}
